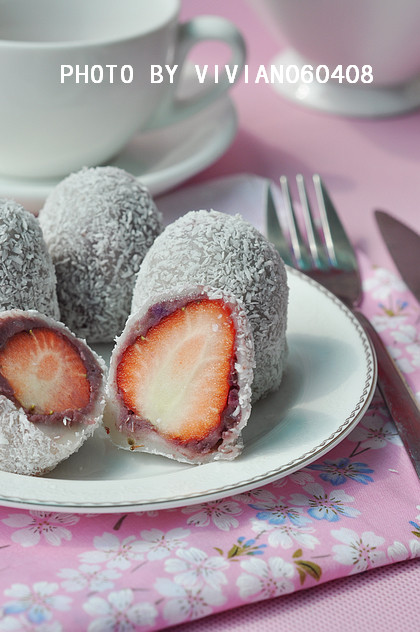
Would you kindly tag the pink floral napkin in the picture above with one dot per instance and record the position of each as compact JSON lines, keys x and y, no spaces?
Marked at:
{"x":355,"y":509}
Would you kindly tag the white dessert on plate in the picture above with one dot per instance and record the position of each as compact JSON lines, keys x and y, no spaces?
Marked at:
{"x":209,"y":305}
{"x":98,"y":224}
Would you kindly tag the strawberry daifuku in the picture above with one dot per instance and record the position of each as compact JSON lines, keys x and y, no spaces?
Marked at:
{"x":98,"y":224}
{"x":181,"y":373}
{"x":27,"y":276}
{"x":180,"y":377}
{"x":51,"y":392}
{"x":226,"y":252}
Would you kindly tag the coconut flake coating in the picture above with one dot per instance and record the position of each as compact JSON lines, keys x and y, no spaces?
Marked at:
{"x":98,"y":224}
{"x":225,"y":252}
{"x":32,"y":448}
{"x":124,"y":428}
{"x":27,"y":275}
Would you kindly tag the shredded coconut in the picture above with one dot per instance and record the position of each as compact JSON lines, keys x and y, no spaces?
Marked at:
{"x":27,"y":276}
{"x":98,"y":224}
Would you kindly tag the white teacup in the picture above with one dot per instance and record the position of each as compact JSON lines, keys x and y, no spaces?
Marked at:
{"x":379,"y":37}
{"x":79,"y":77}
{"x":381,"y":33}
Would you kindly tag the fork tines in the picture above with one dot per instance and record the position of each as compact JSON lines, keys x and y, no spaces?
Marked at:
{"x":316,"y":249}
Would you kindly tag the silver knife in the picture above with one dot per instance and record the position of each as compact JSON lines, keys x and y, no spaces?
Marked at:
{"x":404,"y":247}
{"x":397,"y":395}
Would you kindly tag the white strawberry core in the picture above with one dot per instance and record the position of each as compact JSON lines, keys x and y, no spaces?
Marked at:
{"x":177,"y":376}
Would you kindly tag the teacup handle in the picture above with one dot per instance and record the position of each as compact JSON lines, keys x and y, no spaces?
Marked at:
{"x":202,"y":28}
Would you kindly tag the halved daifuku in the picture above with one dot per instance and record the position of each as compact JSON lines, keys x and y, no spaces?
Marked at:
{"x":210,"y":302}
{"x":98,"y":224}
{"x":180,"y":376}
{"x":27,"y":276}
{"x":226,"y":252}
{"x":52,"y":392}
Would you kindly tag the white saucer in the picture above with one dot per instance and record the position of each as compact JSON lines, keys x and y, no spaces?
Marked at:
{"x":161,"y":158}
{"x":359,"y":100}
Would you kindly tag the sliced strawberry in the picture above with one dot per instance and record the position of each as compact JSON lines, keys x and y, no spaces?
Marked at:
{"x":177,"y":375}
{"x":45,"y":372}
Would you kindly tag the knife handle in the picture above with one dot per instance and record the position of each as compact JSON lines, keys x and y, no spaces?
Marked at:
{"x":397,"y":395}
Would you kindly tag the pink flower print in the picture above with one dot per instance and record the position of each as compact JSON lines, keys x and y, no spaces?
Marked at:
{"x":261,"y":494}
{"x":265,"y":580}
{"x":118,"y":613}
{"x":408,"y":336}
{"x":220,"y":512}
{"x":398,"y":552}
{"x":194,"y":567}
{"x":279,"y":512}
{"x":37,"y":602}
{"x":187,"y":603}
{"x":156,"y":544}
{"x":375,"y":432}
{"x":359,"y":552}
{"x":88,"y":578}
{"x":302,"y":477}
{"x":385,"y":322}
{"x":20,"y":624}
{"x":35,"y":524}
{"x":383,"y":283}
{"x":325,"y":506}
{"x":116,"y":554}
{"x":286,"y":535}
{"x":339,"y":471}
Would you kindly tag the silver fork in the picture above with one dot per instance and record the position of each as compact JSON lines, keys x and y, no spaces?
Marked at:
{"x":327,"y":256}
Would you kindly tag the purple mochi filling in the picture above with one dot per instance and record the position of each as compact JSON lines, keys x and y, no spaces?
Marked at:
{"x":14,"y":325}
{"x":132,"y":425}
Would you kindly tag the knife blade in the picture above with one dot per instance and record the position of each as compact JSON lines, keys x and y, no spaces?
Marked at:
{"x":404,"y":247}
{"x":397,"y":395}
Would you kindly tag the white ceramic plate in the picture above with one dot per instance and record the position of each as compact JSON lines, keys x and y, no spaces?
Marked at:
{"x":162,"y":158}
{"x":329,"y":382}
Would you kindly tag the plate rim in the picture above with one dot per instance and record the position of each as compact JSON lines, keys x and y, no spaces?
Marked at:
{"x":218,"y":492}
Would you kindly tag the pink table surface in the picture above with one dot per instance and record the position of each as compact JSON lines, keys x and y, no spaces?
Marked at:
{"x":367,"y":164}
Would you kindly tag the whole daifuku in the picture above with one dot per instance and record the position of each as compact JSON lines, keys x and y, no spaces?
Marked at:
{"x":98,"y":224}
{"x":206,"y":337}
{"x":27,"y":275}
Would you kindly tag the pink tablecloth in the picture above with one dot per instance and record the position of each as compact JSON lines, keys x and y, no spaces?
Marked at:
{"x":354,"y":510}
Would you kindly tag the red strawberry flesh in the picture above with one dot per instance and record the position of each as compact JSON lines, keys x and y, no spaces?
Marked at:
{"x":177,"y":376}
{"x":46,"y":371}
